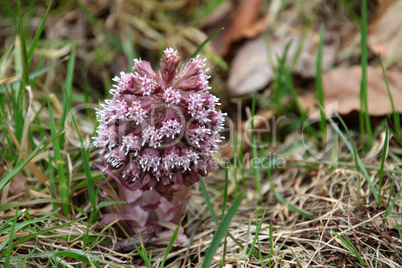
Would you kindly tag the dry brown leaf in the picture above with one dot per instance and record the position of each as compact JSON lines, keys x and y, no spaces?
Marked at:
{"x":383,"y":6}
{"x":384,"y":32}
{"x":342,"y":91}
{"x":18,"y":185}
{"x":245,"y":22}
{"x":250,"y":70}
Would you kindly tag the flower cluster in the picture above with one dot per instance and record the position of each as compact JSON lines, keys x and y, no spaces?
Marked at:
{"x":161,"y":128}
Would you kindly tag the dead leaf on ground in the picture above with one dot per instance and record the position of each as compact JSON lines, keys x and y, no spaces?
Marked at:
{"x":250,"y":70}
{"x":17,"y":186}
{"x":384,"y":32}
{"x":342,"y":91}
{"x":245,"y":23}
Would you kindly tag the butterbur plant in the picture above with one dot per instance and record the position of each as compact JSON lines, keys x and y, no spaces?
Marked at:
{"x":157,"y":136}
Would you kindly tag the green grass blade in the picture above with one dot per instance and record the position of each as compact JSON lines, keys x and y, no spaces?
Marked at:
{"x":235,"y":168}
{"x":24,"y":59}
{"x":350,"y":246}
{"x":144,"y":251}
{"x":5,"y":229}
{"x":254,"y":153}
{"x":260,"y":254}
{"x":257,"y":232}
{"x":271,"y":243}
{"x":52,"y":181}
{"x":170,"y":245}
{"x":109,"y":203}
{"x":129,"y":45}
{"x":384,"y":155}
{"x":68,"y":85}
{"x":395,"y":113}
{"x":85,"y":163}
{"x":297,"y":259}
{"x":359,"y":164}
{"x":396,"y":135}
{"x":239,"y":244}
{"x":399,"y":229}
{"x":28,"y":256}
{"x":59,"y":163}
{"x":3,"y":59}
{"x":241,"y":160}
{"x":10,"y":238}
{"x":80,"y":256}
{"x":351,"y":11}
{"x":319,"y":83}
{"x":38,"y":32}
{"x":208,"y":201}
{"x":248,"y":237}
{"x":222,"y":263}
{"x":225,"y":193}
{"x":204,"y":43}
{"x":364,"y":109}
{"x":390,"y":207}
{"x":289,"y":85}
{"x":143,"y":255}
{"x":220,"y":232}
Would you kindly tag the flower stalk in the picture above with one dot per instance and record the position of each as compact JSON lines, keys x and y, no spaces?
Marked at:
{"x":157,"y":136}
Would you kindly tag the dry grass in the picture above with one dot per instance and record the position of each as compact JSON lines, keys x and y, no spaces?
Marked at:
{"x":330,"y":196}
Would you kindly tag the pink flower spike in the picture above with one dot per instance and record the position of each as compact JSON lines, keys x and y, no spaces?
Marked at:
{"x":156,"y":129}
